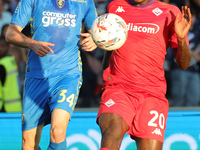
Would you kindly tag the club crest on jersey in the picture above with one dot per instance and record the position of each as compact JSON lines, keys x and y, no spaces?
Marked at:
{"x":109,"y":103}
{"x":60,"y":3}
{"x":157,"y":11}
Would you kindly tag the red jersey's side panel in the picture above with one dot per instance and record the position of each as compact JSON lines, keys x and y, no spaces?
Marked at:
{"x":139,"y":62}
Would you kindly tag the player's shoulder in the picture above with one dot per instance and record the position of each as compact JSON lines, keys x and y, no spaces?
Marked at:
{"x":88,"y":1}
{"x":117,"y":3}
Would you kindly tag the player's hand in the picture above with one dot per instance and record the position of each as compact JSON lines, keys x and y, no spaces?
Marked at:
{"x":87,"y":43}
{"x":41,"y":48}
{"x":182,"y":27}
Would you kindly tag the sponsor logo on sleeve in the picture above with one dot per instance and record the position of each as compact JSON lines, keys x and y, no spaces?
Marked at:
{"x":17,"y":8}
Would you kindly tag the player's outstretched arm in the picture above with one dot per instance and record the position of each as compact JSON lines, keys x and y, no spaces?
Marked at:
{"x":182,"y":27}
{"x":15,"y":37}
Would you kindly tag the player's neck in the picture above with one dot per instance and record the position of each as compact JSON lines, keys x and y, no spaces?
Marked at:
{"x":140,"y":2}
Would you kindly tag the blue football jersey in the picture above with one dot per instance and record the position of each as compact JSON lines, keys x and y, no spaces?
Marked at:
{"x":58,"y":22}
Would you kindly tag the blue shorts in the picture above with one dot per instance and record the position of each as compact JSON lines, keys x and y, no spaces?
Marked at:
{"x":41,"y":96}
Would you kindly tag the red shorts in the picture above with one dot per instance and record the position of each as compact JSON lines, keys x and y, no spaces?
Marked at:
{"x":145,"y":113}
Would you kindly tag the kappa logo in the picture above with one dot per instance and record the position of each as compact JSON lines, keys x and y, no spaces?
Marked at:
{"x":157,"y":11}
{"x":157,"y":131}
{"x":109,"y":103}
{"x":120,"y":9}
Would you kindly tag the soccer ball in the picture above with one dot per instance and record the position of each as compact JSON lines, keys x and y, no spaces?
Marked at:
{"x":109,"y":31}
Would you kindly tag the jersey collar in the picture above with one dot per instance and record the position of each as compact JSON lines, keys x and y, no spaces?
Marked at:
{"x":142,"y":6}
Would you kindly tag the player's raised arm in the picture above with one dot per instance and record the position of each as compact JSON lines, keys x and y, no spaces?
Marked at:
{"x":182,"y":27}
{"x":15,"y":37}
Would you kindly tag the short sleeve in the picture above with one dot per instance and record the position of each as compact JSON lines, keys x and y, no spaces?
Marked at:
{"x":23,"y":13}
{"x":91,"y":15}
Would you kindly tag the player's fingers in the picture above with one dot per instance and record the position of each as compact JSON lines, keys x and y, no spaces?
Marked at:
{"x":89,"y":47}
{"x":183,"y":10}
{"x":189,"y":15}
{"x":85,"y":34}
{"x":186,"y":12}
{"x":51,"y":44}
{"x":40,"y":53}
{"x":49,"y":49}
{"x":43,"y":51}
{"x":84,"y":41}
{"x":89,"y":42}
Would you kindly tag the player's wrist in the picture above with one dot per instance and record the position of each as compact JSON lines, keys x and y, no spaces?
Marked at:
{"x":30,"y":43}
{"x":181,"y":41}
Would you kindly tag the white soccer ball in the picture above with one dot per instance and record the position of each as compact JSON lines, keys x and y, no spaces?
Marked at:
{"x":109,"y":31}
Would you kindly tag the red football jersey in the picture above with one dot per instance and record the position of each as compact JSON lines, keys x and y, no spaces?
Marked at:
{"x":139,"y":62}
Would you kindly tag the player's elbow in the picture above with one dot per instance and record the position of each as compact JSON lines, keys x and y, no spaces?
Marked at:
{"x":184,"y":66}
{"x":7,"y":37}
{"x":184,"y":63}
